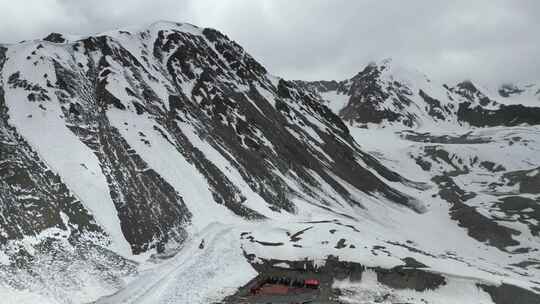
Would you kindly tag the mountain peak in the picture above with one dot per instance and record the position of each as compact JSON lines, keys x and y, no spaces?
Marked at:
{"x":386,"y":61}
{"x":393,"y":69}
{"x":381,"y":62}
{"x":55,"y":37}
{"x":155,"y":26}
{"x":467,"y":85}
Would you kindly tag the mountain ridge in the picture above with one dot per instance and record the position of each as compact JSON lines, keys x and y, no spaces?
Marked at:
{"x":394,"y":99}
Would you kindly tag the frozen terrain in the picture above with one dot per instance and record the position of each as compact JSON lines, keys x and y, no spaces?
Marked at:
{"x":164,"y":164}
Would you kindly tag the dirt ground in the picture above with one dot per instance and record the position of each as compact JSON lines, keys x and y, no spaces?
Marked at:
{"x":323,"y":295}
{"x":398,"y":277}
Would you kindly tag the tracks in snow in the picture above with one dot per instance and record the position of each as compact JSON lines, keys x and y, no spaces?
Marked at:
{"x":194,"y":275}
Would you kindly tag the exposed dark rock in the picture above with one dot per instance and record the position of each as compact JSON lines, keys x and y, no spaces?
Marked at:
{"x":296,"y":236}
{"x":509,"y":294}
{"x":522,"y":208}
{"x":466,"y":138}
{"x":407,"y":278}
{"x":151,"y":212}
{"x":471,"y":93}
{"x":411,"y":262}
{"x":435,"y":107}
{"x":321,"y":86}
{"x":341,"y":244}
{"x":478,"y":226}
{"x":366,"y":95}
{"x":505,"y":115}
{"x":491,"y":166}
{"x":33,"y":198}
{"x":270,"y":243}
{"x":425,"y":165}
{"x":528,"y":180}
{"x":55,"y":37}
{"x":508,"y":90}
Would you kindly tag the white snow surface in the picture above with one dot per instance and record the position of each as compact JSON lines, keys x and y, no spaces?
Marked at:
{"x":336,"y":101}
{"x":369,"y":291}
{"x":194,"y":275}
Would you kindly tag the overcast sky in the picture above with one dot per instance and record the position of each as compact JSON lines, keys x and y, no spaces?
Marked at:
{"x":485,"y":40}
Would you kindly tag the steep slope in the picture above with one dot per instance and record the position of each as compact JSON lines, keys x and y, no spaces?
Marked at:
{"x":479,"y":109}
{"x":526,"y":94}
{"x":445,"y":147}
{"x":152,"y":134}
{"x":388,"y":93}
{"x":46,"y":229}
{"x":478,"y":156}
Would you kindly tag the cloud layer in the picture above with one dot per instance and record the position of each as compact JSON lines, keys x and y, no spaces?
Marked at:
{"x":492,"y":41}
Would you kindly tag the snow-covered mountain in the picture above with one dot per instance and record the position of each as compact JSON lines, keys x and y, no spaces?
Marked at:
{"x":527,"y":93}
{"x":124,"y":154}
{"x":388,"y":93}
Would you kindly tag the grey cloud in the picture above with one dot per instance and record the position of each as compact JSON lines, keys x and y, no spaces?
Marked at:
{"x":485,"y":40}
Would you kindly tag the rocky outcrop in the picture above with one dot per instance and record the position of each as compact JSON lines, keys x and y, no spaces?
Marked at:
{"x":509,"y":294}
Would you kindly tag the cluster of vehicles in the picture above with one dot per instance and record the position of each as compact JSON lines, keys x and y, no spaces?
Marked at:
{"x":283,"y":285}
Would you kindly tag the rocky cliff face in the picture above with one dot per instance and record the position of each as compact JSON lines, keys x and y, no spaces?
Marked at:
{"x":479,"y":110}
{"x":389,"y":94}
